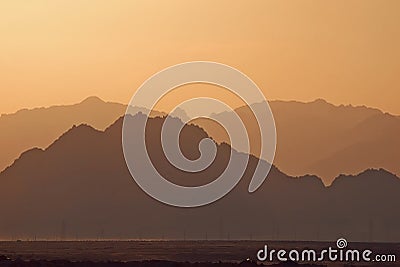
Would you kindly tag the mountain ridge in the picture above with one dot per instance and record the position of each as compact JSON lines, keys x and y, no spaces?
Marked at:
{"x":318,"y":147}
{"x":82,"y":181}
{"x":310,"y":133}
{"x":77,"y":129}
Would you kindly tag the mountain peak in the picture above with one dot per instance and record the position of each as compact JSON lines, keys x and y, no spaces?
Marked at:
{"x":320,"y":101}
{"x":92,"y":100}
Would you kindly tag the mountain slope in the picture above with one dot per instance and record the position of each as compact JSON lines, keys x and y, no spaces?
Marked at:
{"x":80,"y":187}
{"x":313,"y":138}
{"x":326,"y":140}
{"x":39,"y":127}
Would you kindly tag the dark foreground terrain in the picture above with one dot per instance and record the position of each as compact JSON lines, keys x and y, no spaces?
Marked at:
{"x":165,"y":253}
{"x":153,"y":263}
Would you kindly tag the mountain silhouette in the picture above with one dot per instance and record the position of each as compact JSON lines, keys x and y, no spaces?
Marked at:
{"x":312,"y":138}
{"x":323,"y":139}
{"x":39,"y":127}
{"x":80,"y":187}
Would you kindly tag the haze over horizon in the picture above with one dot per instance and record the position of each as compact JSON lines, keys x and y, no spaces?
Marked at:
{"x":61,"y":52}
{"x":167,"y":108}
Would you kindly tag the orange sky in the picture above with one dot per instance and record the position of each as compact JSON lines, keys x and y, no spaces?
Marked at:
{"x":59,"y":52}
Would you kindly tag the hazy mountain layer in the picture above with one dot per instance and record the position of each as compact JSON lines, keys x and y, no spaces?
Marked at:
{"x":79,"y":187}
{"x":312,"y":138}
{"x":40,"y":127}
{"x":326,"y":140}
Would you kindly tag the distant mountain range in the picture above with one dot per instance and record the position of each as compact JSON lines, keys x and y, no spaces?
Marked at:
{"x":313,"y":138}
{"x":40,"y":127}
{"x":79,"y":187}
{"x":325,"y":140}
